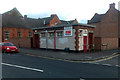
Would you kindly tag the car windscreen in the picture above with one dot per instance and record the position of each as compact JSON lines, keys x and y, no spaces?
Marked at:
{"x":9,"y":44}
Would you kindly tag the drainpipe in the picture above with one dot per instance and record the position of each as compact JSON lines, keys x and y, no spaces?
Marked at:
{"x":46,"y":39}
{"x":55,"y":40}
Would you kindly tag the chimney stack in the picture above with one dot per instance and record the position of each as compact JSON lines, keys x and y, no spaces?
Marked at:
{"x":52,"y":15}
{"x":25,"y":17}
{"x":112,"y":5}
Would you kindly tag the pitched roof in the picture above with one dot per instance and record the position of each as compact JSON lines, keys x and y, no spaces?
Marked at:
{"x":96,"y":18}
{"x":66,"y":22}
{"x":14,"y":21}
{"x":41,"y":22}
{"x":64,"y":25}
{"x":13,"y":12}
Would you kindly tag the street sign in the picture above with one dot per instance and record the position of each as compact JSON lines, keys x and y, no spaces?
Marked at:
{"x":68,"y":31}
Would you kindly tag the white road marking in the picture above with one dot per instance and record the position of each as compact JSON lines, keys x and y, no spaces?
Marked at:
{"x":96,"y":63}
{"x":107,"y":64}
{"x":117,"y":65}
{"x":22,"y":67}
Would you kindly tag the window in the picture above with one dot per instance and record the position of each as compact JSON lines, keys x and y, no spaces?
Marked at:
{"x":29,"y":34}
{"x":60,"y":34}
{"x":7,"y":34}
{"x":42,"y":34}
{"x":80,"y":33}
{"x":19,"y":34}
{"x":51,"y":34}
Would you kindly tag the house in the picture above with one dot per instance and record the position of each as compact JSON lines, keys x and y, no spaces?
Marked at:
{"x":15,"y":29}
{"x":47,"y":21}
{"x":74,"y":36}
{"x":107,"y":34}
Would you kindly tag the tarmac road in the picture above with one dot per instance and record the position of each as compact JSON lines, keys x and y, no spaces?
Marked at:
{"x":25,"y":66}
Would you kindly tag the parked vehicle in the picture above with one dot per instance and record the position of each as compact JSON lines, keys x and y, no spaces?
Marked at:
{"x":8,"y":47}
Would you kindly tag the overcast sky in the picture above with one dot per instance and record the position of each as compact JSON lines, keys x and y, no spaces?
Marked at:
{"x":82,"y":10}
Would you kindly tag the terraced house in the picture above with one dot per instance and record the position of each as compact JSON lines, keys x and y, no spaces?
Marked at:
{"x":107,"y":31}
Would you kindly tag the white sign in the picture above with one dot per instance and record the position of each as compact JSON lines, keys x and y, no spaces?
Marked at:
{"x":68,"y":31}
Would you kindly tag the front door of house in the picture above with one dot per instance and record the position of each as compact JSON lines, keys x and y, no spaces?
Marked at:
{"x":85,"y":43}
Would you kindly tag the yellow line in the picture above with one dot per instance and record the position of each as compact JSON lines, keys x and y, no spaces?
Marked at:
{"x":75,"y":61}
{"x":105,"y":59}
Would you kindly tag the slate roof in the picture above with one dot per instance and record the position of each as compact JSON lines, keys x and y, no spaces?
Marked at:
{"x":13,"y":12}
{"x":42,"y":22}
{"x":66,"y":22}
{"x":96,"y":18}
{"x":14,"y":21}
{"x":64,"y":25}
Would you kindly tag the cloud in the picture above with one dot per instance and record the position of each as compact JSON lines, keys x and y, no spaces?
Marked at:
{"x":65,"y":9}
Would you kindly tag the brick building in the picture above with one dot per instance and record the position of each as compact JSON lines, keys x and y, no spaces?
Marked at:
{"x":107,"y":34}
{"x":53,"y":20}
{"x":74,"y":36}
{"x":15,"y":29}
{"x":18,"y":29}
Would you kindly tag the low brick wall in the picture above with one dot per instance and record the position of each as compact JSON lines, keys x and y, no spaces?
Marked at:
{"x":21,"y":42}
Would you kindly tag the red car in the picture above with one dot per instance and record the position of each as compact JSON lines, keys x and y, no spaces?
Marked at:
{"x":8,"y":47}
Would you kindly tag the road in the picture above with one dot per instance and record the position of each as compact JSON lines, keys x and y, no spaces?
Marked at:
{"x":24,"y":66}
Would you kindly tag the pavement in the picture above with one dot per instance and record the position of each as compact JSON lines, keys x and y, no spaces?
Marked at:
{"x":69,"y":56}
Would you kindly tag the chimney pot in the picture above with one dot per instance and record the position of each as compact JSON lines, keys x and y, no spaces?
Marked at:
{"x":25,"y":17}
{"x":112,"y":5}
{"x":53,"y":15}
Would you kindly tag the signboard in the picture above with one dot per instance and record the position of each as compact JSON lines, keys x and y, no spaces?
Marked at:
{"x":68,"y":31}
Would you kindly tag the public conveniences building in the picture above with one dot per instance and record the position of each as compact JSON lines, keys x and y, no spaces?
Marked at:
{"x":73,"y":36}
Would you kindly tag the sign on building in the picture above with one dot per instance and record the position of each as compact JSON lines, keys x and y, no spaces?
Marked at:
{"x":68,"y":31}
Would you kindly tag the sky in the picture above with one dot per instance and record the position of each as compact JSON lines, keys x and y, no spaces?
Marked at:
{"x":82,"y":10}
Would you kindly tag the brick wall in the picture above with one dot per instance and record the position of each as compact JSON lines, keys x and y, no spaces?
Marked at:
{"x":109,"y":24}
{"x":54,"y":20}
{"x":13,"y":32}
{"x":21,"y":42}
{"x":97,"y":42}
{"x":112,"y":43}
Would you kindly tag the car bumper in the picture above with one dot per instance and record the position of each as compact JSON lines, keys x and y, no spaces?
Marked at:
{"x":11,"y":51}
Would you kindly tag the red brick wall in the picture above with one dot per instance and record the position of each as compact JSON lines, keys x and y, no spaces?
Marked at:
{"x":54,"y":20}
{"x":109,"y":24}
{"x":112,"y":43}
{"x":97,"y":42}
{"x":13,"y":32}
{"x":21,"y":42}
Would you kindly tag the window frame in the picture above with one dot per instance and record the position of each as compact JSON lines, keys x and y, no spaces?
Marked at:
{"x":19,"y":34}
{"x":7,"y":34}
{"x":60,"y":33}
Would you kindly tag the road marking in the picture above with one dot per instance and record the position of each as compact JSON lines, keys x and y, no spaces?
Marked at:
{"x":117,"y":65}
{"x":22,"y":67}
{"x":75,"y":61}
{"x":107,"y":64}
{"x":105,"y":59}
